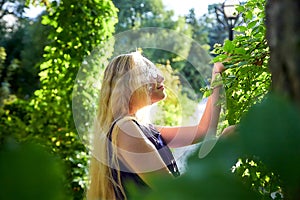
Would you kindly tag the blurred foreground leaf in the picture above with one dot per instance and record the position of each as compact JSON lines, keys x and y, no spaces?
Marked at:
{"x":29,"y":172}
{"x":209,"y":178}
{"x":271,"y":131}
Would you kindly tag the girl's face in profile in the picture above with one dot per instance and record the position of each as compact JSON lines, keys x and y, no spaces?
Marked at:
{"x":151,"y":76}
{"x":157,"y":87}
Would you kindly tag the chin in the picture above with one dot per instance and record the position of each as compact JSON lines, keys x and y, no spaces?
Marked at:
{"x":157,"y":96}
{"x":158,"y":99}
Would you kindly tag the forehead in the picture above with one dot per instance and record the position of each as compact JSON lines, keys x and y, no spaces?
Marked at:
{"x":148,"y":69}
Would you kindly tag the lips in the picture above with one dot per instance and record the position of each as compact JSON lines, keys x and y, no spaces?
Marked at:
{"x":160,"y":87}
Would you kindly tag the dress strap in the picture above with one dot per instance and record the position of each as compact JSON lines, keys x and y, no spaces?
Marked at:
{"x":119,"y":119}
{"x":126,"y":177}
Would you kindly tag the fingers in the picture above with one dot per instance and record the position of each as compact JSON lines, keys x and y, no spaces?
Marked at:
{"x":218,"y":67}
{"x":229,"y":130}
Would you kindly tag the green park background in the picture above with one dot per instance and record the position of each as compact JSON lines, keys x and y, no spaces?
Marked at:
{"x":41,"y":154}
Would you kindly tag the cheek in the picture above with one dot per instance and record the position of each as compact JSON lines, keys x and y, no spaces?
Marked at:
{"x":157,"y":95}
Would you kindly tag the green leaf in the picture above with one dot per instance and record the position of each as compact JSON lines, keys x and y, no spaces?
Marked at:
{"x":219,"y":58}
{"x":240,"y":9}
{"x":252,"y":24}
{"x":240,"y":51}
{"x":240,"y":28}
{"x":249,"y":15}
{"x":45,"y":20}
{"x":228,"y":46}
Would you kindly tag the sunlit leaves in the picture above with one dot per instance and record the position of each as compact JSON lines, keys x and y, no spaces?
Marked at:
{"x":77,"y":27}
{"x":253,"y":173}
{"x":247,"y":79}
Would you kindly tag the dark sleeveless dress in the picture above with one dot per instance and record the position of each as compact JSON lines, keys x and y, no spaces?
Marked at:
{"x":132,"y":178}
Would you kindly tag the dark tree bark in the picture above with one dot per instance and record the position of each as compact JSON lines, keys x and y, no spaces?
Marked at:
{"x":283,"y":34}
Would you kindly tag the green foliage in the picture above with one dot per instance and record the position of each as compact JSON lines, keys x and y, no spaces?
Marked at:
{"x":177,"y":108}
{"x":28,"y":172}
{"x":24,"y":48}
{"x":132,"y":14}
{"x":271,"y":132}
{"x":76,"y":28}
{"x":38,"y":2}
{"x":34,"y":41}
{"x":4,"y":91}
{"x":14,"y":119}
{"x":6,"y":74}
{"x":257,"y":176}
{"x":23,"y":40}
{"x":200,"y":32}
{"x":247,"y":79}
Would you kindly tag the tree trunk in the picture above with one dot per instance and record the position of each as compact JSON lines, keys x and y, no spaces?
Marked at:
{"x":283,"y":34}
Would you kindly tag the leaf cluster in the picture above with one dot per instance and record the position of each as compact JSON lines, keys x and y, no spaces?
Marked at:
{"x":75,"y":29}
{"x":247,"y":79}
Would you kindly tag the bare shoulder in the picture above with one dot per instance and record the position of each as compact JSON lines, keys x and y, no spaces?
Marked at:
{"x":131,"y":138}
{"x":137,"y":152}
{"x":128,"y":127}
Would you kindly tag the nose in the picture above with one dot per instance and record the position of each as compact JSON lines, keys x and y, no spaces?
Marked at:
{"x":160,"y":78}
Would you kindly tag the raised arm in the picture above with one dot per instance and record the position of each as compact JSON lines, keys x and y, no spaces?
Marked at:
{"x":180,"y":136}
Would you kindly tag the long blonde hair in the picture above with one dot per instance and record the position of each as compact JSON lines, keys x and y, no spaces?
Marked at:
{"x":123,"y":82}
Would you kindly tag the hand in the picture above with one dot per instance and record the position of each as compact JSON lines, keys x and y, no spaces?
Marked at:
{"x":218,"y":68}
{"x":229,"y":130}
